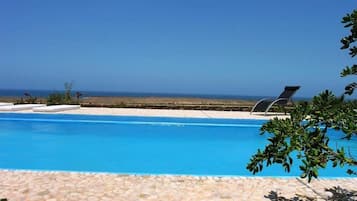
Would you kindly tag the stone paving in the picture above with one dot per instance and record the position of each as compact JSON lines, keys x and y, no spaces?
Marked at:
{"x":67,"y":186}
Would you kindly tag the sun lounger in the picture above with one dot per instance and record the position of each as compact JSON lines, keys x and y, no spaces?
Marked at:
{"x":56,"y":108}
{"x":285,"y":97}
{"x":20,"y":107}
{"x":5,"y":104}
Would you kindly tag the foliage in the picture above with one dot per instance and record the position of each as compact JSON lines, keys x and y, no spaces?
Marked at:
{"x":350,"y":21}
{"x":55,"y":99}
{"x":67,"y":93}
{"x":78,"y":96}
{"x":305,"y":132}
{"x":65,"y":98}
{"x":27,"y":99}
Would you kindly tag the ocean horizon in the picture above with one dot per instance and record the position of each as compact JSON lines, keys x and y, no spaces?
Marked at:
{"x":87,"y":93}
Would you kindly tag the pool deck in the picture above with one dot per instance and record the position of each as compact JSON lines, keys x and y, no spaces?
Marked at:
{"x":164,"y":113}
{"x":68,"y":186}
{"x":18,"y":185}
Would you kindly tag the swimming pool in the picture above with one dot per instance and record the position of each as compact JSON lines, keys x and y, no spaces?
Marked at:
{"x":137,"y":145}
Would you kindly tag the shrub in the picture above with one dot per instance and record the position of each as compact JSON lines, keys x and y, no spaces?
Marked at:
{"x":55,"y":99}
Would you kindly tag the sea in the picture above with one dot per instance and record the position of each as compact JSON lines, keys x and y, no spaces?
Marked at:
{"x":45,"y":93}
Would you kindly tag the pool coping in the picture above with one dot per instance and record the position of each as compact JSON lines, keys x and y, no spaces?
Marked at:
{"x":161,"y":113}
{"x":167,"y":175}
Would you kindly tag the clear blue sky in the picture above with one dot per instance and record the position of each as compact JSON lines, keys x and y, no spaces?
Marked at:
{"x":183,"y":46}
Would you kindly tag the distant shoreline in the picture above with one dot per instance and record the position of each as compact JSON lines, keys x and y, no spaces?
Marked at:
{"x":44,"y":93}
{"x":145,"y":100}
{"x":157,"y":103}
{"x":167,"y":103}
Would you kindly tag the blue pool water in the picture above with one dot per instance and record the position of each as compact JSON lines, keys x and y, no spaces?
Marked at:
{"x":139,"y":145}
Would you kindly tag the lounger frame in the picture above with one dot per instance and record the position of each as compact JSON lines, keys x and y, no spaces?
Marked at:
{"x":285,"y":97}
{"x":270,"y":105}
